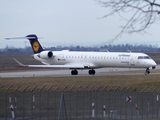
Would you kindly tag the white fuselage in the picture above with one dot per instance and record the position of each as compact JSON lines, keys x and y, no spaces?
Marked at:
{"x":99,"y":59}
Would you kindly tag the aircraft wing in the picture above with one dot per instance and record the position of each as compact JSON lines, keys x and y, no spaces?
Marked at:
{"x":57,"y":66}
{"x":70,"y":65}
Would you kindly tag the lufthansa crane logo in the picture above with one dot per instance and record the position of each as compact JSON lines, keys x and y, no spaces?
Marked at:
{"x":35,"y":46}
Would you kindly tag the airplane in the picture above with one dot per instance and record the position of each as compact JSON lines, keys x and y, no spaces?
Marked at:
{"x":76,"y":60}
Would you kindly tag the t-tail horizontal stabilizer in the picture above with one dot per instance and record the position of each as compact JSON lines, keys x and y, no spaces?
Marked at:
{"x":36,"y":46}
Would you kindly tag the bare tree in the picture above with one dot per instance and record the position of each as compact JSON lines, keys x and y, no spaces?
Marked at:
{"x":141,"y":14}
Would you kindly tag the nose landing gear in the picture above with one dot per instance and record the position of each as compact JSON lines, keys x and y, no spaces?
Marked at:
{"x":147,"y":71}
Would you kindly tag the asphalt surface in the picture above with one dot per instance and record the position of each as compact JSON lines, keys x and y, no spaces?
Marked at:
{"x":67,"y":72}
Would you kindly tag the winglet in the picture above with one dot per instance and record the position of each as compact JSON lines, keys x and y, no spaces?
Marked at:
{"x":19,"y":62}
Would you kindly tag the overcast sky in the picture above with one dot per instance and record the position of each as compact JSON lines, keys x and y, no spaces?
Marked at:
{"x":64,"y":22}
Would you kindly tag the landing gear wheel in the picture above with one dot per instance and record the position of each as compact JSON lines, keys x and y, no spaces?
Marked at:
{"x":147,"y":71}
{"x":74,"y":72}
{"x":91,"y":72}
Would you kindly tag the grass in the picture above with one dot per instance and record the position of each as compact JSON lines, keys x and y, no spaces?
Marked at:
{"x":110,"y":81}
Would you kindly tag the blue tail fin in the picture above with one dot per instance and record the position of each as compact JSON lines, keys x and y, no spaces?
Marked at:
{"x":36,"y":46}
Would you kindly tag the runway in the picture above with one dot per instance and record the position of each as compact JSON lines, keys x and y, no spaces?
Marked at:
{"x":67,"y":72}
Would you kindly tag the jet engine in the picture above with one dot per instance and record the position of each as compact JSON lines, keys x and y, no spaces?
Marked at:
{"x":46,"y":54}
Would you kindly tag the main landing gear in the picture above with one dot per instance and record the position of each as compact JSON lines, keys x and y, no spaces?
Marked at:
{"x":75,"y":72}
{"x":147,"y":71}
{"x":91,"y":72}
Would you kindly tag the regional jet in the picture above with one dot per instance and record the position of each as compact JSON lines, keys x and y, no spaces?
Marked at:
{"x":76,"y":60}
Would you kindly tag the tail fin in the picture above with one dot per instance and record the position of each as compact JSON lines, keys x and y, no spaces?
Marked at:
{"x":33,"y":39}
{"x":36,"y":46}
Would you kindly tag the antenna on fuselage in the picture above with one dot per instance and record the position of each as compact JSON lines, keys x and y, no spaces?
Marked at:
{"x":129,"y":51}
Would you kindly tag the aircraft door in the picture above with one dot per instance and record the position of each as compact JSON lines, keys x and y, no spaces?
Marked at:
{"x":132,"y":61}
{"x":85,"y":60}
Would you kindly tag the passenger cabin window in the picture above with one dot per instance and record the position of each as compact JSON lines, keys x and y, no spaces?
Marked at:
{"x":144,"y":57}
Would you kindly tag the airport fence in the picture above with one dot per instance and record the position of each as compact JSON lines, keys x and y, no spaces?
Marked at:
{"x":88,"y":102}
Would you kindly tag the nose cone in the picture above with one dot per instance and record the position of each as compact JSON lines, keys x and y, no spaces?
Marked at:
{"x":153,"y":64}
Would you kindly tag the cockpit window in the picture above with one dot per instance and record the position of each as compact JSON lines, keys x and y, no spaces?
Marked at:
{"x":144,"y":57}
{"x":147,"y":57}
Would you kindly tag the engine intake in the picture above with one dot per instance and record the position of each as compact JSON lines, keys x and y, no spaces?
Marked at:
{"x":46,"y":54}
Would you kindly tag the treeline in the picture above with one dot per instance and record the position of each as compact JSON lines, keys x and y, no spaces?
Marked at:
{"x":110,"y":48}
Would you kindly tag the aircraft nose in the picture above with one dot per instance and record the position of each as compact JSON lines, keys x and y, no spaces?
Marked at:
{"x":153,"y":64}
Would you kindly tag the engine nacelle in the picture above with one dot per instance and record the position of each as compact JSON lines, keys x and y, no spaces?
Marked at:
{"x":46,"y":54}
